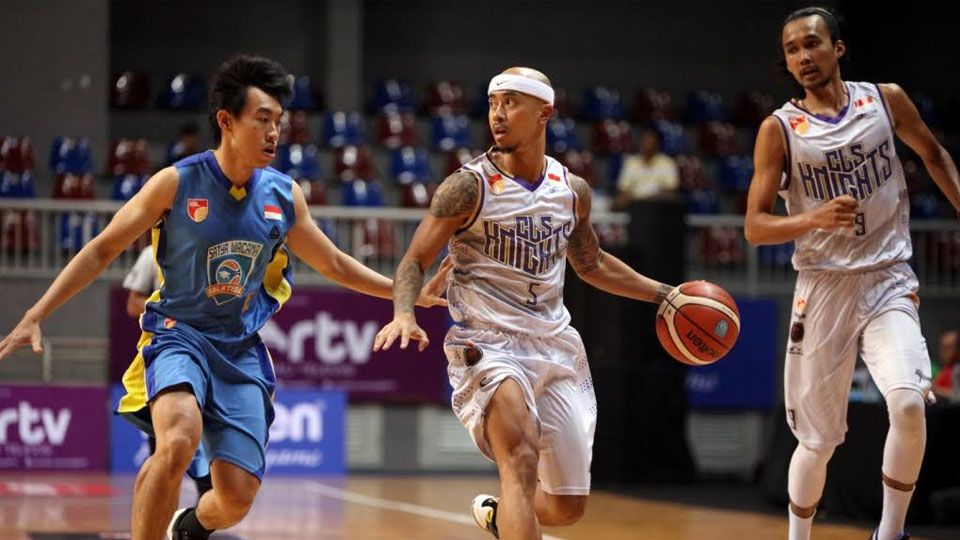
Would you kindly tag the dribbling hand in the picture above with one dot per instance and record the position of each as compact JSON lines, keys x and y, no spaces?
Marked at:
{"x":405,"y":327}
{"x":837,"y":213}
{"x":27,"y":332}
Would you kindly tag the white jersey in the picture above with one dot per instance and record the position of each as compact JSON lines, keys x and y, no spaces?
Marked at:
{"x":853,"y":154}
{"x":510,"y":259}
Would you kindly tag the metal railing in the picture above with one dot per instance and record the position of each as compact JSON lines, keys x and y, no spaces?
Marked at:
{"x":38,"y":237}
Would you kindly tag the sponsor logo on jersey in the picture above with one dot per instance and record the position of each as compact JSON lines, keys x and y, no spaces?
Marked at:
{"x":863,"y":101}
{"x":799,"y":124}
{"x":169,"y":323}
{"x":532,"y":244}
{"x":496,"y":183}
{"x":796,"y":332}
{"x":554,"y":177}
{"x":197,"y":209}
{"x":228,"y":268}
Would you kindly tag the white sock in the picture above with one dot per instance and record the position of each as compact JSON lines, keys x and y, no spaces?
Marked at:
{"x":799,"y":527}
{"x":895,"y":504}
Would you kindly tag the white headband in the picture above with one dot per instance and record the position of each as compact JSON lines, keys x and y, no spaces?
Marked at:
{"x":524,"y":85}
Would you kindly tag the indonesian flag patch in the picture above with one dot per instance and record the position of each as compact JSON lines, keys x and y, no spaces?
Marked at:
{"x":272,"y":212}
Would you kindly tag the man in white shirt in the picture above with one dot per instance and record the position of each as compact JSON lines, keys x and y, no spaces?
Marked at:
{"x":647,"y":174}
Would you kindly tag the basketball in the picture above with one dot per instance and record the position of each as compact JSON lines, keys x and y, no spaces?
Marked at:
{"x":698,"y":323}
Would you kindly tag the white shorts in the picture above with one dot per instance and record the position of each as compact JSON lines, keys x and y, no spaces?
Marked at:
{"x":835,"y":317}
{"x":555,"y":378}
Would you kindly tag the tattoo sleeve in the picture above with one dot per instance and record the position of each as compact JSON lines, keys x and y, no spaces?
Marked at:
{"x":407,"y":285}
{"x":583,"y":249}
{"x":456,"y":197}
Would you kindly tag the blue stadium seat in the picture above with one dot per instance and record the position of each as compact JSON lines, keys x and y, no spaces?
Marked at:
{"x":703,"y":201}
{"x":408,"y":165}
{"x":672,"y":140}
{"x":924,"y":206}
{"x":703,"y":106}
{"x":125,"y":186}
{"x":76,"y":229}
{"x":298,"y":161}
{"x":601,"y":103}
{"x":394,"y":96}
{"x":303,"y":97}
{"x":562,"y":135}
{"x":449,"y":132}
{"x":614,"y":166}
{"x":776,"y":255}
{"x":17,"y":185}
{"x":342,"y":129}
{"x":182,"y":92}
{"x":735,"y":173}
{"x":362,"y":193}
{"x":71,"y":155}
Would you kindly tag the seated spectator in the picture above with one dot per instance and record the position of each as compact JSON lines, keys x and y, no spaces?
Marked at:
{"x":947,"y":383}
{"x":187,"y":143}
{"x":649,"y":174}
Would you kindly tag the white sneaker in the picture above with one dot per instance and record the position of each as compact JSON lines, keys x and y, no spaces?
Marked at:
{"x":172,"y":534}
{"x":484,"y":509}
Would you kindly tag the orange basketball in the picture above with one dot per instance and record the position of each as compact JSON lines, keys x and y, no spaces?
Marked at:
{"x":698,"y":323}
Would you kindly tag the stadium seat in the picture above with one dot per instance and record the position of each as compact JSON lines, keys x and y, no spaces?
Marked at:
{"x":393,"y":96}
{"x":779,"y":255}
{"x":294,"y":128}
{"x":703,"y":201}
{"x":458,"y":158}
{"x":444,"y":98}
{"x":690,"y":170}
{"x":395,"y":130}
{"x":362,"y":193}
{"x":352,"y":162}
{"x":561,"y":103}
{"x":614,"y":166}
{"x":73,"y":186}
{"x":130,"y":91}
{"x":601,"y":103}
{"x":342,"y":129}
{"x":652,"y":105}
{"x":611,"y":137}
{"x":753,"y":107}
{"x":314,"y":191}
{"x":128,"y":156}
{"x":18,"y":231}
{"x":703,"y":106}
{"x":71,"y":155}
{"x":76,"y":229}
{"x":672,"y":139}
{"x":417,"y":194}
{"x":735,"y":173}
{"x":408,"y":165}
{"x":580,"y":164}
{"x":562,"y":136}
{"x":125,"y":186}
{"x":449,"y":132}
{"x":298,"y":161}
{"x":303,"y":97}
{"x":718,"y":139}
{"x":924,"y":206}
{"x":182,"y":92}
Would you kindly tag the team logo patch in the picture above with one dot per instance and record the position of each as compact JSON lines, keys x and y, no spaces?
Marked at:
{"x":197,"y":209}
{"x":799,"y":124}
{"x":228,"y":268}
{"x":796,"y":332}
{"x":169,"y":323}
{"x":720,"y":330}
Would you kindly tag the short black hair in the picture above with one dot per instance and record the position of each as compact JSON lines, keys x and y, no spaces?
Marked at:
{"x":833,"y":20}
{"x":235,"y":76}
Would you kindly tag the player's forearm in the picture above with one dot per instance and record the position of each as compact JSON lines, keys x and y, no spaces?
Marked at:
{"x":765,"y":228}
{"x":79,"y":272}
{"x":943,"y":170}
{"x":615,"y":277}
{"x":350,"y":273}
{"x":406,"y":286}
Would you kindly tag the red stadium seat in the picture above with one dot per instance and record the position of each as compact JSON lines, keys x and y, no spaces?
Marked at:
{"x":718,"y":139}
{"x":417,"y":194}
{"x":580,"y":164}
{"x":753,"y":107}
{"x":18,"y":231}
{"x":611,"y":137}
{"x":395,"y":129}
{"x":128,"y":156}
{"x":73,"y":186}
{"x":458,"y":158}
{"x":651,"y":105}
{"x":690,"y":170}
{"x":352,"y":162}
{"x":444,"y":97}
{"x":130,"y":91}
{"x":315,"y":191}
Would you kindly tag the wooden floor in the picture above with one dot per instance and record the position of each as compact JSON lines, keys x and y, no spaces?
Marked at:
{"x":374,"y":508}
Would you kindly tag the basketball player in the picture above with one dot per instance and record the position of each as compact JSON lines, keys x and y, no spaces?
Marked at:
{"x":223,"y":227}
{"x":521,"y":381}
{"x":832,"y":156}
{"x":140,"y":282}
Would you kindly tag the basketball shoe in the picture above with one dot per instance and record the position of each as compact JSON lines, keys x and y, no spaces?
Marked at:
{"x":485,"y":513}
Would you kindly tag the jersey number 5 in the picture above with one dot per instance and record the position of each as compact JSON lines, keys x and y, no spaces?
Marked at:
{"x":860,"y":224}
{"x":532,"y":289}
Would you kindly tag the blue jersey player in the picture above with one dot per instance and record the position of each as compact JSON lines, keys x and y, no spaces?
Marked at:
{"x":224,"y":225}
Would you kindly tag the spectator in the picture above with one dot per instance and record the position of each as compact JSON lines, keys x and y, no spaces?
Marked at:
{"x":947,"y":383}
{"x":649,"y":174}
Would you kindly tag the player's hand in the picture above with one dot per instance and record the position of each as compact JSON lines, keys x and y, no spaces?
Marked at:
{"x":432,"y":293}
{"x":405,"y":327}
{"x":27,"y":332}
{"x":837,"y":213}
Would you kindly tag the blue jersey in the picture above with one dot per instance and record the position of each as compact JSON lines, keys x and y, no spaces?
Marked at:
{"x":220,"y":251}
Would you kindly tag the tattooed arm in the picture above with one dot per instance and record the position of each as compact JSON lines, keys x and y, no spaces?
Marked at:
{"x":600,"y":269}
{"x":454,"y":203}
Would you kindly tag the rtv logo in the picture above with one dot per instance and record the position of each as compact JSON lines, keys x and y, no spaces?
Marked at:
{"x":35,"y":426}
{"x":333,"y":341}
{"x":298,"y":423}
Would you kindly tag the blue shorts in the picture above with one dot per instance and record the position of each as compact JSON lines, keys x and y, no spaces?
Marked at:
{"x":233,"y":385}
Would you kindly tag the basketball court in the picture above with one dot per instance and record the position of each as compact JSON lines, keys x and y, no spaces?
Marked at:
{"x":54,"y":507}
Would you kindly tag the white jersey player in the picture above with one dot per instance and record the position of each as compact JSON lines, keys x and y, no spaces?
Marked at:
{"x":522,"y":386}
{"x":832,"y":156}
